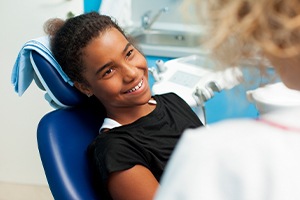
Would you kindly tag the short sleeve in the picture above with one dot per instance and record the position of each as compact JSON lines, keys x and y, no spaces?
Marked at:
{"x":117,"y":154}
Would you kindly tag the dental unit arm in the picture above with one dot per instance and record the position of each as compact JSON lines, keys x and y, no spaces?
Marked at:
{"x":193,"y":79}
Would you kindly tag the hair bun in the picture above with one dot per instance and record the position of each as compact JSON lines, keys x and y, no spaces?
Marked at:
{"x":51,"y":26}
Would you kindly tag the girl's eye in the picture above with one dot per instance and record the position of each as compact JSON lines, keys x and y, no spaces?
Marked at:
{"x":129,"y":53}
{"x":108,"y":72}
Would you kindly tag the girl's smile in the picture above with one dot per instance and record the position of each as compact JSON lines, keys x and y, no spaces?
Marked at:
{"x":136,"y":88}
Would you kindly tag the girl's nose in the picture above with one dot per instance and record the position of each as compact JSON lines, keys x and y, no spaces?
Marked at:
{"x":129,"y":72}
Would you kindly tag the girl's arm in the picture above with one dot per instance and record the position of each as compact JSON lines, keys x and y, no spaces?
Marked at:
{"x":135,"y":183}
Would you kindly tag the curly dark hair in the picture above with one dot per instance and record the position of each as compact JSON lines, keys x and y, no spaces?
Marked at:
{"x":69,"y":37}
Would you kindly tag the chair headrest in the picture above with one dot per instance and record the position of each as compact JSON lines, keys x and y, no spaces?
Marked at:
{"x":59,"y":93}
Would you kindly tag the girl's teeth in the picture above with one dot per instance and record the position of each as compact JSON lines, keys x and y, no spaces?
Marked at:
{"x":136,"y":87}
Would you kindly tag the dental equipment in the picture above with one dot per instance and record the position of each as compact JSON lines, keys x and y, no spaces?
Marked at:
{"x":194,"y":80}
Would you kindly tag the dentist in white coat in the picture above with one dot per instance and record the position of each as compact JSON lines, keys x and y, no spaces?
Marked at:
{"x":244,"y":159}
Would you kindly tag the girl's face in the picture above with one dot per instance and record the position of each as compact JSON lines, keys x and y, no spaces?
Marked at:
{"x":116,"y":72}
{"x":288,"y":69}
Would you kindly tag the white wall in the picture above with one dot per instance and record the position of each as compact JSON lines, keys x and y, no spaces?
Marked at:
{"x":21,"y":20}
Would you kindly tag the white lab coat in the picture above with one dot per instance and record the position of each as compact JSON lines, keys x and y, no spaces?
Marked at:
{"x":240,"y":159}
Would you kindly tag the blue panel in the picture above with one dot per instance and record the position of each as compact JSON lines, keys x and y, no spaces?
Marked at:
{"x":91,"y":5}
{"x":229,"y":104}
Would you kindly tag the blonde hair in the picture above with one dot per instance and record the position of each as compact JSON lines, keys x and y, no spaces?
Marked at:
{"x":241,"y":29}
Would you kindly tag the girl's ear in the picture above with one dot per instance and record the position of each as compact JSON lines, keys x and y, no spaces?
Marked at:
{"x":82,"y":87}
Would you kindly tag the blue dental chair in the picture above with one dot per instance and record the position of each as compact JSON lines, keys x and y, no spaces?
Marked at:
{"x":64,"y":134}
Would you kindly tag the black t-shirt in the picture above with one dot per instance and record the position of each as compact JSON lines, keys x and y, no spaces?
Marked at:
{"x":149,"y":141}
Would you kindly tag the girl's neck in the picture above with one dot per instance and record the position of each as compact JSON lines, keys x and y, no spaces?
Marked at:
{"x":128,"y":115}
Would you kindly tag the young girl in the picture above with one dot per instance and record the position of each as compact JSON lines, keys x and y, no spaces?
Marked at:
{"x":140,"y":131}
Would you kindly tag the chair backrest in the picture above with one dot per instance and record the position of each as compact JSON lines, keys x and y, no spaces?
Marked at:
{"x":63,"y":136}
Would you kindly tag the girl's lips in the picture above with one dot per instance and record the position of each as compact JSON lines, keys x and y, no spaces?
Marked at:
{"x":136,"y":87}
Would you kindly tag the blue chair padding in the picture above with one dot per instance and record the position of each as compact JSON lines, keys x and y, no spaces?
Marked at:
{"x":61,"y":92}
{"x":63,"y":137}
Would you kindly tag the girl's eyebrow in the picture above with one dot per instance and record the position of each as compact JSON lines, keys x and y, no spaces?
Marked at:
{"x":103,"y":67}
{"x":110,"y":63}
{"x":126,"y":47}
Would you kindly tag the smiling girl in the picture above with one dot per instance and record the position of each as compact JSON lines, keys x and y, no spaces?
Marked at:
{"x":141,"y":130}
